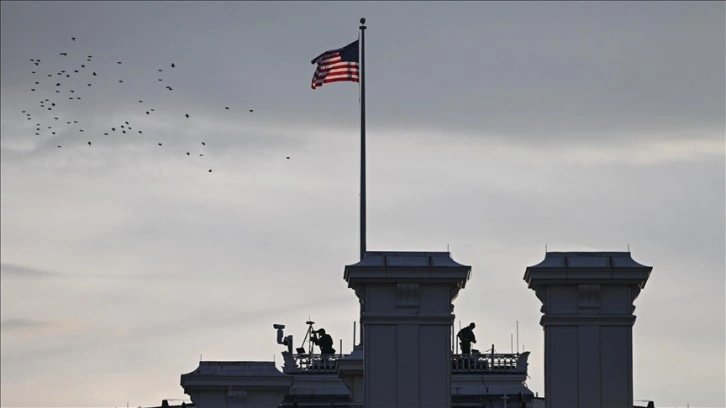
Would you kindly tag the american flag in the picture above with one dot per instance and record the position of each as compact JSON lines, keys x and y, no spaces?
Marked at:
{"x":336,"y":65}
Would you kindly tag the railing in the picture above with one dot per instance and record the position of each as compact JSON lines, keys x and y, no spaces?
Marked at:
{"x":311,"y":363}
{"x":460,"y":363}
{"x":490,"y":363}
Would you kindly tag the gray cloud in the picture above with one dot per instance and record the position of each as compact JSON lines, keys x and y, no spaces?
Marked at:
{"x":9,"y":270}
{"x":20,"y":324}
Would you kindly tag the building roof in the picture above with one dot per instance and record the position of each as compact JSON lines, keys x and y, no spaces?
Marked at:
{"x":588,"y":260}
{"x":413,"y":259}
{"x":594,"y":267}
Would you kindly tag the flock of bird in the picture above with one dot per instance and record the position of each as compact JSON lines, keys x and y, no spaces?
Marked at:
{"x":58,"y":87}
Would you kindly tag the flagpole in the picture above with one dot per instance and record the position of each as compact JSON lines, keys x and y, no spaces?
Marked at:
{"x":362,"y":141}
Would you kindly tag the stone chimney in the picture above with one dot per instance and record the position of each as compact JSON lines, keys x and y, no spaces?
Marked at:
{"x":587,"y":301}
{"x":406,"y":319}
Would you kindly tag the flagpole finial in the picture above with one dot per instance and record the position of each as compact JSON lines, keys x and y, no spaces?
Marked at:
{"x":363,"y":20}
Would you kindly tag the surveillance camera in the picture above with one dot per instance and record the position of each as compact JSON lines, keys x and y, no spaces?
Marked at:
{"x":278,"y":326}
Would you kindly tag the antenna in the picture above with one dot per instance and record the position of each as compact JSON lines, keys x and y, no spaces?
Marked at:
{"x":511,"y":343}
{"x":517,"y":336}
{"x":353,"y":333}
{"x":447,"y":248}
{"x":628,"y":248}
{"x":545,"y":248}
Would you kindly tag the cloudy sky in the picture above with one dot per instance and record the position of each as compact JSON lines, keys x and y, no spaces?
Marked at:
{"x":493,"y":128}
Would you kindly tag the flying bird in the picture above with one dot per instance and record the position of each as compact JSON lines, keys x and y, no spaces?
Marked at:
{"x":89,"y":143}
{"x":226,"y":107}
{"x":187,"y":115}
{"x":64,"y":53}
{"x":204,"y":144}
{"x":159,"y":144}
{"x":252,"y":110}
{"x":94,"y":73}
{"x":118,"y":62}
{"x":187,"y":153}
{"x":73,"y":38}
{"x":172,"y":65}
{"x":210,"y":170}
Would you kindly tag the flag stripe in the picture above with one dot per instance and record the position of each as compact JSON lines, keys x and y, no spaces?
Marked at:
{"x":336,"y":66}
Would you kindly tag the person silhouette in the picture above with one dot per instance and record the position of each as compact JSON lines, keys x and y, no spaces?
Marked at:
{"x":325,"y":342}
{"x":466,"y":337}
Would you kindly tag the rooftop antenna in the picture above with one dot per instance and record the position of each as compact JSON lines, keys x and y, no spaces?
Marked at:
{"x":447,"y":247}
{"x":628,"y":248}
{"x":511,"y":343}
{"x":517,"y":336}
{"x":353,"y":333}
{"x":545,"y":248}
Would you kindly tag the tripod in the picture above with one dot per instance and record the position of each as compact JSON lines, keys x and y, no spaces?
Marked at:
{"x":309,"y":337}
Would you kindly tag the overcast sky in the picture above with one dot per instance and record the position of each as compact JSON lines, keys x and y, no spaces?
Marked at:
{"x":493,"y":128}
